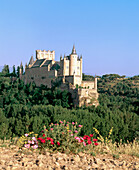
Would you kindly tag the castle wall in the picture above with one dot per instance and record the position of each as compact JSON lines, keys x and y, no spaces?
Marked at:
{"x":69,"y":79}
{"x":78,"y":68}
{"x":40,"y":75}
{"x":88,"y":84}
{"x":66,"y":68}
{"x":77,"y":80}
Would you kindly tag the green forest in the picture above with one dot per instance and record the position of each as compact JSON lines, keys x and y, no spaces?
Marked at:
{"x":25,"y":108}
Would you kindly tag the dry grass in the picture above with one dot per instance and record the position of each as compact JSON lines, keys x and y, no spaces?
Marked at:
{"x":129,"y":148}
{"x":114,"y":149}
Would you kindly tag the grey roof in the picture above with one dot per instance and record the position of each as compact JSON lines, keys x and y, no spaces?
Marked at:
{"x":56,"y":66}
{"x":57,"y":62}
{"x":47,"y":62}
{"x":38,"y":63}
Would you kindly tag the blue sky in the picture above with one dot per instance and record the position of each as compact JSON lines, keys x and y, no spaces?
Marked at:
{"x":105,"y":32}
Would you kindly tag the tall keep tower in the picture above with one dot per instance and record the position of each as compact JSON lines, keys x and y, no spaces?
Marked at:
{"x":73,"y":62}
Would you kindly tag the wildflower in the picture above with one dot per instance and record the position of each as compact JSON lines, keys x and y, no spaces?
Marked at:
{"x":52,"y":142}
{"x":76,"y":131}
{"x":71,"y":135}
{"x":69,"y":130}
{"x":86,"y":137}
{"x":26,"y":135}
{"x":42,"y":131}
{"x":52,"y":129}
{"x":95,"y":144}
{"x":77,"y":138}
{"x":27,"y":145}
{"x":60,"y":121}
{"x":80,"y":125}
{"x":95,"y":140}
{"x":29,"y":141}
{"x":32,"y":142}
{"x":39,"y":138}
{"x":43,"y":141}
{"x":48,"y":138}
{"x":33,"y":138}
{"x":91,"y":135}
{"x":81,"y":139}
{"x":62,"y":133}
{"x":34,"y":146}
{"x":89,"y":142}
{"x":84,"y":143}
{"x":58,"y":143}
{"x":73,"y":123}
{"x":43,"y":135}
{"x":51,"y":139}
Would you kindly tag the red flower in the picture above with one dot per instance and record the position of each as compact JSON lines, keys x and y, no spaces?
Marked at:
{"x":43,"y":141}
{"x":39,"y":138}
{"x":43,"y":135}
{"x":52,"y":142}
{"x":48,"y":138}
{"x":51,"y":139}
{"x":88,"y":138}
{"x":89,"y":142}
{"x":85,"y":137}
{"x":95,"y":144}
{"x":91,"y":135}
{"x":95,"y":140}
{"x":58,"y":143}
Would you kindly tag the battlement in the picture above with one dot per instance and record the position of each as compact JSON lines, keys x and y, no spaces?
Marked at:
{"x":42,"y":54}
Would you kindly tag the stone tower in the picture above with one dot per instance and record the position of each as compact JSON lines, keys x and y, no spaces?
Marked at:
{"x":71,"y":68}
{"x":73,"y":62}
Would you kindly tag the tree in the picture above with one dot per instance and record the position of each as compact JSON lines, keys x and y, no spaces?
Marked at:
{"x":14,"y":73}
{"x":5,"y":70}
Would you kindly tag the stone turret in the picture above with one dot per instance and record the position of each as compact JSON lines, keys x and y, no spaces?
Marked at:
{"x":73,"y":62}
{"x":21,"y":70}
{"x":95,"y":83}
{"x":81,"y":66}
{"x":26,"y":66}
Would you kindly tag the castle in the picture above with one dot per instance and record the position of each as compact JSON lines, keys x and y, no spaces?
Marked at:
{"x":67,"y":73}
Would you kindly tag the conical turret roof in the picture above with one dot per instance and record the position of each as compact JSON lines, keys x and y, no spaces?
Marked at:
{"x":31,"y":60}
{"x":73,"y":50}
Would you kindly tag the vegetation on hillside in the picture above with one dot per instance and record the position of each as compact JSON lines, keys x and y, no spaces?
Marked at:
{"x":25,"y":108}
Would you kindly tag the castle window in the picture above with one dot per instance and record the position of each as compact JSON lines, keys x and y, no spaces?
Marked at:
{"x":32,"y":78}
{"x":43,"y":77}
{"x":77,"y":67}
{"x":67,"y":67}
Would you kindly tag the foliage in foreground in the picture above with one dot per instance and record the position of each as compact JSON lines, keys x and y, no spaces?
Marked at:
{"x":62,"y":136}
